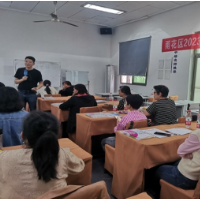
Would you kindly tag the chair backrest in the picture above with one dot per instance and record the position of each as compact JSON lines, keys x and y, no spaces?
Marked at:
{"x":151,"y":99}
{"x":175,"y":98}
{"x":52,"y":95}
{"x":196,"y":194}
{"x":138,"y":124}
{"x":90,"y":109}
{"x":181,"y":120}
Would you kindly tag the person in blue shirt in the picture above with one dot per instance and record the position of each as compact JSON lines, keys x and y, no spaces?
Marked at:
{"x":11,"y":116}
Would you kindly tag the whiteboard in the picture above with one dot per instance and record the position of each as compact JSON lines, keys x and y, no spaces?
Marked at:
{"x":76,"y":77}
{"x":49,"y":70}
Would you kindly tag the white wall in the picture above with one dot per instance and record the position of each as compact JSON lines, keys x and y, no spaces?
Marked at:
{"x":177,"y":22}
{"x":81,"y":48}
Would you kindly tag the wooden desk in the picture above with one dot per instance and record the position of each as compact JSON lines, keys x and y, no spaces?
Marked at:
{"x":83,"y":178}
{"x":87,"y":127}
{"x":134,"y":156}
{"x":45,"y":104}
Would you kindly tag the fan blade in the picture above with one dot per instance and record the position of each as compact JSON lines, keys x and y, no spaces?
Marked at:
{"x":68,"y":23}
{"x":54,"y":16}
{"x":42,"y":21}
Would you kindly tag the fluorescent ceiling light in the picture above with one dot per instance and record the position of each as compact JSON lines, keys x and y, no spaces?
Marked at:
{"x":109,"y":10}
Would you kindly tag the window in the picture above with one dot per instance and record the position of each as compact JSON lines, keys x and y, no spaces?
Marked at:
{"x":134,"y":80}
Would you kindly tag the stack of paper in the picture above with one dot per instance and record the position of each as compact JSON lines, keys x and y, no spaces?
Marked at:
{"x":179,"y":131}
{"x":101,"y":114}
{"x":152,"y":131}
{"x":48,"y":97}
{"x":101,"y":101}
{"x":56,"y":104}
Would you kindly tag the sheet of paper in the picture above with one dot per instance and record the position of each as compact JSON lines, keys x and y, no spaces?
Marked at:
{"x":152,"y":131}
{"x":48,"y":97}
{"x":179,"y":131}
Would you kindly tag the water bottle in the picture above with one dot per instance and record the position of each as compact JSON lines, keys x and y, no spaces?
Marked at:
{"x":188,"y":119}
{"x":125,"y":105}
{"x":115,"y":105}
{"x":110,"y":97}
{"x":198,"y":118}
{"x":1,"y":138}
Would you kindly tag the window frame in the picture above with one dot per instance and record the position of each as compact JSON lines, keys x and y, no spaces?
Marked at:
{"x":140,"y":84}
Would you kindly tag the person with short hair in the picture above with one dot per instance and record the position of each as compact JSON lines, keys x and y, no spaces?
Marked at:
{"x":134,"y":102}
{"x":1,"y":85}
{"x":47,"y":89}
{"x":28,"y":78}
{"x":164,"y":109}
{"x":80,"y":98}
{"x":41,"y":165}
{"x":67,"y":89}
{"x":11,"y":116}
{"x":124,"y":91}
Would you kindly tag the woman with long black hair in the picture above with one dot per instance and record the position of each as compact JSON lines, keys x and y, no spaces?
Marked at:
{"x":80,"y":98}
{"x":41,"y":165}
{"x":47,"y":89}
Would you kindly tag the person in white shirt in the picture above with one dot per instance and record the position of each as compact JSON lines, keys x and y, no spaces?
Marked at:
{"x":47,"y":89}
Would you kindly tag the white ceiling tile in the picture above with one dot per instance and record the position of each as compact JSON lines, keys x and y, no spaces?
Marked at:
{"x":69,"y":9}
{"x":148,"y":10}
{"x":47,"y":7}
{"x":99,"y":19}
{"x":109,"y":4}
{"x":5,"y":3}
{"x":24,"y":5}
{"x":183,"y":2}
{"x":164,"y":4}
{"x":82,"y":2}
{"x":132,"y":5}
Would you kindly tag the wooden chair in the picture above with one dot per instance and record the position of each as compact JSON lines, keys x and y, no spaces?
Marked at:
{"x":90,"y":109}
{"x":175,"y":98}
{"x":52,"y":95}
{"x":169,"y":191}
{"x":94,"y":191}
{"x":142,"y":195}
{"x":110,"y":151}
{"x":151,"y":99}
{"x":181,"y":120}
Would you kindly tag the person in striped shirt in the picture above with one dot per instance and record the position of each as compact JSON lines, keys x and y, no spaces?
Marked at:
{"x":164,"y":109}
{"x":134,"y":102}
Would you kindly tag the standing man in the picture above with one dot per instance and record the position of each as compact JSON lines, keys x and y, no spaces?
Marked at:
{"x":28,"y":78}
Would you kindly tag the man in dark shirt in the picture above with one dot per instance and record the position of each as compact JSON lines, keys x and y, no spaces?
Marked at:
{"x":67,"y":89}
{"x":28,"y":78}
{"x":164,"y":109}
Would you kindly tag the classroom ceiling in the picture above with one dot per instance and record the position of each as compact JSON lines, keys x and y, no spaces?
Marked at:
{"x":72,"y":11}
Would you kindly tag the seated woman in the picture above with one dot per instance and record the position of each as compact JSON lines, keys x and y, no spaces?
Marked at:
{"x":47,"y":89}
{"x":11,"y":116}
{"x":80,"y":98}
{"x":124,"y":91}
{"x":1,"y":85}
{"x":134,"y":102}
{"x":185,"y":172}
{"x":41,"y":165}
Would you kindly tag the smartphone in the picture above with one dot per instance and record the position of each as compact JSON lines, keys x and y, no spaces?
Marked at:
{"x":164,"y":134}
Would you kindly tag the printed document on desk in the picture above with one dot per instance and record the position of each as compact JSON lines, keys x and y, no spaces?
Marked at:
{"x":179,"y":131}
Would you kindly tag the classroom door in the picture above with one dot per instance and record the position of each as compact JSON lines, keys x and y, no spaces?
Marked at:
{"x":197,"y":79}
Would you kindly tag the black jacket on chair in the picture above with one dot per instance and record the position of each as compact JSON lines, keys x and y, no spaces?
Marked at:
{"x":73,"y":105}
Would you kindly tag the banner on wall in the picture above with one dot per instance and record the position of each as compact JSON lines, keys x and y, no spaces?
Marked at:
{"x":184,"y":42}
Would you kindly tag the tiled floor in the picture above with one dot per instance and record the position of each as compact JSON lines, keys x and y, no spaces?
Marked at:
{"x":99,"y":174}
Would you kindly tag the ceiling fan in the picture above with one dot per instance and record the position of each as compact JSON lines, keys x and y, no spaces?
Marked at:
{"x":55,"y":18}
